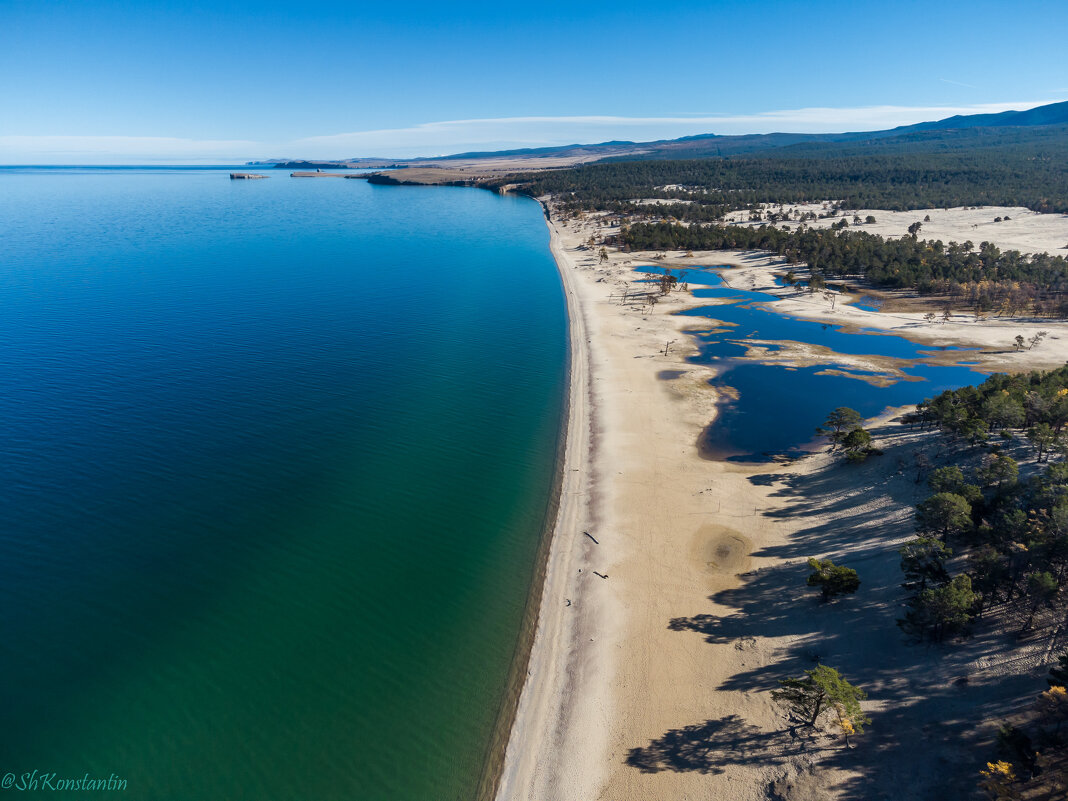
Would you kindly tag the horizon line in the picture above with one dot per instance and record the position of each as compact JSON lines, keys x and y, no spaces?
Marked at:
{"x":440,"y":139}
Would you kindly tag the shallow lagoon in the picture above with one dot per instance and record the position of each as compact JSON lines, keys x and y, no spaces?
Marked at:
{"x":778,"y":407}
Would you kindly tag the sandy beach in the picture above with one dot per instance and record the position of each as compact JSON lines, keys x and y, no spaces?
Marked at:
{"x":674,"y":598}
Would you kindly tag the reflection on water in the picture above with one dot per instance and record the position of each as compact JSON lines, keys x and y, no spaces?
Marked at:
{"x":778,"y":406}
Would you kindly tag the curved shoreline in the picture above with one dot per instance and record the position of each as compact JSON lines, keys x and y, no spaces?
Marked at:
{"x":493,"y":765}
{"x":566,"y":612}
{"x":617,"y":675}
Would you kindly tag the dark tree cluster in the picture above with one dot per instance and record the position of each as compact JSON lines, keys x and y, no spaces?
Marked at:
{"x":698,"y":212}
{"x":1004,"y":406}
{"x":1009,"y":535}
{"x":986,"y":279}
{"x":1007,"y":170}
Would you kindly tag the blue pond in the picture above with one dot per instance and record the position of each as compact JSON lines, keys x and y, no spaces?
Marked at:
{"x":865,"y":302}
{"x":778,"y":407}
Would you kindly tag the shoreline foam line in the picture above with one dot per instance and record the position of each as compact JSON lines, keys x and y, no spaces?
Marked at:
{"x":536,"y":764}
{"x":494,"y":761}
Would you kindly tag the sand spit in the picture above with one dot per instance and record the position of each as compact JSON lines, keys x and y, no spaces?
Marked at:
{"x":654,"y":681}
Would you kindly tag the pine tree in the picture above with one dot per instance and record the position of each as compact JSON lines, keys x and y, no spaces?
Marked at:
{"x":832,"y":579}
{"x":923,"y":562}
{"x":823,"y":689}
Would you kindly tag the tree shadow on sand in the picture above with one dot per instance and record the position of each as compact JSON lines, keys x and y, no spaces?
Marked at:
{"x":934,"y":708}
{"x":704,"y":747}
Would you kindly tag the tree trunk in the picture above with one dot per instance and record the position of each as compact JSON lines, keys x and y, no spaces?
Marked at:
{"x":817,"y":710}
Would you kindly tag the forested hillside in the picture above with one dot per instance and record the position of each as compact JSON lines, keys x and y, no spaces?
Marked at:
{"x":1031,"y":171}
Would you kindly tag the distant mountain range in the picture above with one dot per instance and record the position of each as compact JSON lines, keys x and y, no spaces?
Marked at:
{"x":1052,"y":114}
{"x":956,"y":132}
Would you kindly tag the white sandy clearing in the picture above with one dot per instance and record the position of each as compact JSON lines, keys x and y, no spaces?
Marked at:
{"x":1026,"y":231}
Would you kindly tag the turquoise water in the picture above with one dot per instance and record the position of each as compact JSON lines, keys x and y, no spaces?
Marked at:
{"x":276,"y":459}
{"x":778,"y":408}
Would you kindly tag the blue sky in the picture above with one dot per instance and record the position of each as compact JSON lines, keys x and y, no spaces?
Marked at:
{"x":107,"y":81}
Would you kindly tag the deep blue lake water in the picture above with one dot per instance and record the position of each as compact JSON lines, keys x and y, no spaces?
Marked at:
{"x":276,"y":459}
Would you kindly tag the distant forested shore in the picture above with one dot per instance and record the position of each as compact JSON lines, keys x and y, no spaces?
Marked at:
{"x":1012,"y":168}
{"x":1009,"y":167}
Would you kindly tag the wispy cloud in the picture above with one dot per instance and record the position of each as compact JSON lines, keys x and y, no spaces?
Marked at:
{"x":122,"y":150}
{"x":451,"y":136}
{"x":957,"y":83}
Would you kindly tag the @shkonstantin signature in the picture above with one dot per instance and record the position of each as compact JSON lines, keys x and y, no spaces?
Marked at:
{"x":44,"y":780}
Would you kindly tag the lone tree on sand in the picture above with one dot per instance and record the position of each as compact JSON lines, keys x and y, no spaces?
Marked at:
{"x":843,"y":429}
{"x":832,"y":579}
{"x":821,"y":690}
{"x":857,"y":445}
{"x":839,"y":423}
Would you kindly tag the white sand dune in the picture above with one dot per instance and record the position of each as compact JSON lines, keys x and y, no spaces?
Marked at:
{"x":1018,"y":229}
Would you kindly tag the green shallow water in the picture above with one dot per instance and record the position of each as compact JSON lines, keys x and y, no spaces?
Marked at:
{"x":277,"y":456}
